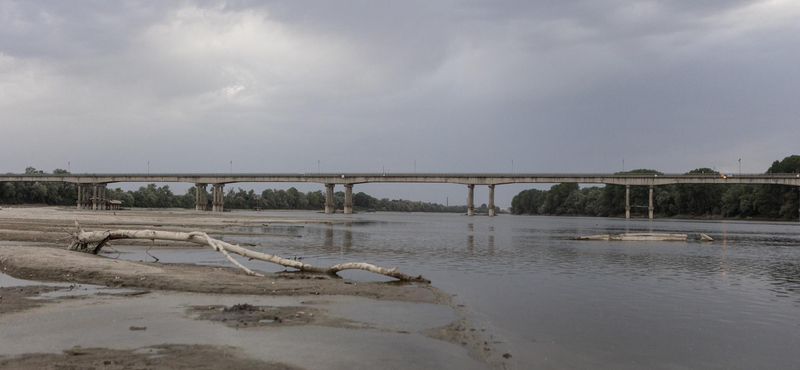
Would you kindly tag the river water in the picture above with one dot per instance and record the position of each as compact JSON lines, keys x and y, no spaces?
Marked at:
{"x":554,"y":303}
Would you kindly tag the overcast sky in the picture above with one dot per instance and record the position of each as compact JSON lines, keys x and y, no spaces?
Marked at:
{"x":457,"y":86}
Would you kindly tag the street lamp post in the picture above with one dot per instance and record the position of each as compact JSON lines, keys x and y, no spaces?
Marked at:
{"x":740,"y":167}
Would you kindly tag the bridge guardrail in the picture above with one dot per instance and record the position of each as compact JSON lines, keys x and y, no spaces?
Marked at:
{"x":379,"y":174}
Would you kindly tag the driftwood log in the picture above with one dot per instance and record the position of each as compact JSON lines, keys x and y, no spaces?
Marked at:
{"x":82,"y":240}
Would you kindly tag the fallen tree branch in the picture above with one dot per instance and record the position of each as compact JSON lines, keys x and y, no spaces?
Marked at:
{"x":155,"y":259}
{"x":82,"y":239}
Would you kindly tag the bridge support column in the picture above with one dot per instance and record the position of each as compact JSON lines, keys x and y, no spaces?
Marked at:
{"x":84,"y":197}
{"x":80,"y":196}
{"x":491,"y":200}
{"x":200,"y":200}
{"x":98,"y":200}
{"x":348,"y":198}
{"x":218,"y":198}
{"x":650,"y":208}
{"x":87,"y":197}
{"x":471,"y":200}
{"x":627,"y":201}
{"x":329,"y":205}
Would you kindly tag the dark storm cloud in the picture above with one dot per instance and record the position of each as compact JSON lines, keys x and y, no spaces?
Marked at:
{"x":361,"y":85}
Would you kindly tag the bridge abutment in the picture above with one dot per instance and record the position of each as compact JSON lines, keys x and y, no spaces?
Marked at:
{"x":491,"y":200}
{"x":218,"y":198}
{"x":471,"y":200}
{"x":329,"y":205}
{"x":348,"y":199}
{"x":200,"y":197}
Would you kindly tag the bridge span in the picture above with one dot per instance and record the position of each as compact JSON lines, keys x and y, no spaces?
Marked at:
{"x":92,"y":186}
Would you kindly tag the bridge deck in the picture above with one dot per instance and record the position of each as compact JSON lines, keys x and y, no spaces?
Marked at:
{"x":456,"y":178}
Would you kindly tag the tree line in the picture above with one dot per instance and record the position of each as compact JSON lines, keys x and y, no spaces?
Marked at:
{"x":152,"y":196}
{"x":678,"y":200}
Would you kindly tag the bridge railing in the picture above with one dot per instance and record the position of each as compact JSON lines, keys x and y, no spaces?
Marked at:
{"x":404,"y":174}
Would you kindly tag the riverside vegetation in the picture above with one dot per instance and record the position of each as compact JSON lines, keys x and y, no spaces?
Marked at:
{"x":679,"y":200}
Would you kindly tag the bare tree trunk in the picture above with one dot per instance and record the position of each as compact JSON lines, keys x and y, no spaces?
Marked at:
{"x":82,"y":239}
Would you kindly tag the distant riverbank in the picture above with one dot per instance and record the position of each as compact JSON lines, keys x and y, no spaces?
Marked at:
{"x":675,"y":217}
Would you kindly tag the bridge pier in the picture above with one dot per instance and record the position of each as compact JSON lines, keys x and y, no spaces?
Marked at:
{"x":627,"y":201}
{"x":491,"y":200}
{"x":83,"y":196}
{"x":98,"y":199}
{"x":103,"y":198}
{"x":348,"y":198}
{"x":329,"y":205}
{"x":650,"y":208}
{"x":200,"y":200}
{"x":86,"y":202}
{"x":471,"y":200}
{"x":218,"y":198}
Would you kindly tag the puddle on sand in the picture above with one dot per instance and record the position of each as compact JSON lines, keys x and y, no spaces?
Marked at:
{"x":153,"y":352}
{"x":83,"y":290}
{"x":8,"y":281}
{"x":71,"y":290}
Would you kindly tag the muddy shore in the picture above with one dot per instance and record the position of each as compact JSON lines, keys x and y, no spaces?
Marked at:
{"x":46,"y":260}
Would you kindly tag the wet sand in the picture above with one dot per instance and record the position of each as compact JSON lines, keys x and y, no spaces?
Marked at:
{"x":162,"y":357}
{"x":178,"y":310}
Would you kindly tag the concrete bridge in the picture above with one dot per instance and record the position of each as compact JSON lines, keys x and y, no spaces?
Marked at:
{"x":92,"y":187}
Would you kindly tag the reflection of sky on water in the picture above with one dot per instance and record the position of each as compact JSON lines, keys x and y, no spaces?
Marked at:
{"x":581,"y":304}
{"x":514,"y":246}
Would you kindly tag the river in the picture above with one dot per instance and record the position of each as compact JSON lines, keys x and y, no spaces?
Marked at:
{"x":555,"y":303}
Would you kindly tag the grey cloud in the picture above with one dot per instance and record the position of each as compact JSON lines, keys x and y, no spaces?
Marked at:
{"x":361,"y":85}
